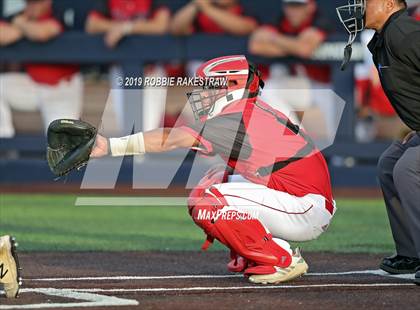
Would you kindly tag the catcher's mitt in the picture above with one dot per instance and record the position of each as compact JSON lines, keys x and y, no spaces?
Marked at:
{"x":69,"y":145}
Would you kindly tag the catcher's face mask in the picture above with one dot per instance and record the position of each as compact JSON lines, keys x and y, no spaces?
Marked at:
{"x":230,"y":75}
{"x":352,"y":16}
{"x":203,"y":101}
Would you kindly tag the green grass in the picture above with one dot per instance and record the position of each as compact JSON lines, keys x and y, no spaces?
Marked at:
{"x":53,"y":223}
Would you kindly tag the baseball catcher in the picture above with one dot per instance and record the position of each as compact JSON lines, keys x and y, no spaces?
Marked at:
{"x":276,"y":187}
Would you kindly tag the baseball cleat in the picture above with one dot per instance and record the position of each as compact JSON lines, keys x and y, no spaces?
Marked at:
{"x":9,"y":267}
{"x":297,"y":268}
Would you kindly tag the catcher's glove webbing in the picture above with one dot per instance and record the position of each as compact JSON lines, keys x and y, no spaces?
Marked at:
{"x":69,"y":145}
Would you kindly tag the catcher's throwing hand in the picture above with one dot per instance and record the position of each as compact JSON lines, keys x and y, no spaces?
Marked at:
{"x":101,"y":147}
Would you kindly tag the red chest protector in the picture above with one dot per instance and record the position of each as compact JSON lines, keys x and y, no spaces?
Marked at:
{"x":274,"y":140}
{"x":283,"y":156}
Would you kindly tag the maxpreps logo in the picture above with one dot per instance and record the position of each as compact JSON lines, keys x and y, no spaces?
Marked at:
{"x":226,"y":214}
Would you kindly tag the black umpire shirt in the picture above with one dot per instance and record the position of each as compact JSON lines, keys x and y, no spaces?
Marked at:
{"x":396,"y":54}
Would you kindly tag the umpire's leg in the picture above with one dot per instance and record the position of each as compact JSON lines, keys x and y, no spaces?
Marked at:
{"x":397,"y":216}
{"x":407,"y":183}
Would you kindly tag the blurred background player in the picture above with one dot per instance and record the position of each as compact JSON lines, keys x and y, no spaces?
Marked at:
{"x":56,"y":90}
{"x":118,"y":19}
{"x":211,"y":16}
{"x":299,"y":32}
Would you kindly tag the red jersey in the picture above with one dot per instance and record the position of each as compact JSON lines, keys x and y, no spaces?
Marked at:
{"x":262,"y":145}
{"x":124,"y":10}
{"x":205,"y":24}
{"x":51,"y":74}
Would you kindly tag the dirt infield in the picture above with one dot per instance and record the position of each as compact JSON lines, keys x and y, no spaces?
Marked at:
{"x":194,"y":280}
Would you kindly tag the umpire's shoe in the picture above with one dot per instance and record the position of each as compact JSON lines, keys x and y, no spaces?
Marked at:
{"x":9,"y":267}
{"x":398,"y":264}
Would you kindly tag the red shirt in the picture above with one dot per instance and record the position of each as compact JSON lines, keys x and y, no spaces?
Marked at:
{"x":123,"y":10}
{"x":50,"y":74}
{"x":205,"y":24}
{"x":249,"y":137}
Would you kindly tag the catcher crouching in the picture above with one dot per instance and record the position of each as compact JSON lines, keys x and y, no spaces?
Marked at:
{"x":276,"y":187}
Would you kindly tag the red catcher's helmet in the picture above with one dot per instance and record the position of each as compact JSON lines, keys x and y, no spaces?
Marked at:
{"x":242,"y":78}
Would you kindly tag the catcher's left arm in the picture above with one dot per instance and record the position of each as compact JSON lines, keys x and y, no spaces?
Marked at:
{"x":155,"y":141}
{"x":72,"y":142}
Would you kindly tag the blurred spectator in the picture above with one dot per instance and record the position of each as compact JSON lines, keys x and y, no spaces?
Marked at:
{"x":299,"y":32}
{"x":56,"y":90}
{"x":118,"y":19}
{"x":211,"y":16}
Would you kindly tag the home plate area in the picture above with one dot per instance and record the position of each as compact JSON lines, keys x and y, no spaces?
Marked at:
{"x":196,"y":280}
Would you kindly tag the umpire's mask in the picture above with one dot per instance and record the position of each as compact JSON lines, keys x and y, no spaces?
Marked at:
{"x":352,"y":16}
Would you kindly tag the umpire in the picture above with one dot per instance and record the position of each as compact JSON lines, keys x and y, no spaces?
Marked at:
{"x":396,"y":53}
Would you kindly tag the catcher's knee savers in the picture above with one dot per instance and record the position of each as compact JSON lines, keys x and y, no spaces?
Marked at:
{"x":243,"y":235}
